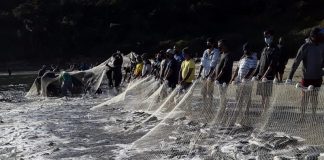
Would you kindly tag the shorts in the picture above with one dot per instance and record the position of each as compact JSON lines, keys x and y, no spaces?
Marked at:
{"x":315,"y":82}
{"x":184,"y":86}
{"x":243,"y":91}
{"x":264,"y":89}
{"x":172,"y":84}
{"x":207,"y":88}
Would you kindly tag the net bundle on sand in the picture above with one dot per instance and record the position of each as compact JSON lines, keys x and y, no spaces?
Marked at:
{"x":87,"y":81}
{"x":225,"y":122}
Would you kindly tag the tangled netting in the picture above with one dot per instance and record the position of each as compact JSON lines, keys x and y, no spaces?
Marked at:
{"x":89,"y":80}
{"x":213,"y":121}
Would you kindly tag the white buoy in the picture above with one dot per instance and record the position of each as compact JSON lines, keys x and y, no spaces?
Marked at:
{"x":216,"y":82}
{"x":264,"y":79}
{"x":310,"y":88}
{"x":298,"y":85}
{"x":254,"y":79}
{"x":288,"y":81}
{"x":224,"y":85}
{"x":244,"y":80}
{"x":275,"y":81}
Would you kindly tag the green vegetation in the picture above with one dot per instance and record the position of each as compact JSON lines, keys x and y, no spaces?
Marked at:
{"x":51,"y":29}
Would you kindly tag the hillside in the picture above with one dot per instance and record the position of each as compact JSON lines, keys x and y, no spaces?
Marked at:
{"x":53,"y":30}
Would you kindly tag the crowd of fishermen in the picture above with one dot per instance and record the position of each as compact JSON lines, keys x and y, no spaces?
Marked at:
{"x":176,"y":66}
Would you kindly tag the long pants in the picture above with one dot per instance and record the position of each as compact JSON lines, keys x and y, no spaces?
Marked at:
{"x":66,"y":86}
{"x":117,"y":77}
{"x":114,"y":76}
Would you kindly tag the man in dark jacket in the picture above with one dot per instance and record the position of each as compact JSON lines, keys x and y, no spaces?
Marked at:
{"x":114,"y":73}
{"x":224,"y":68}
{"x":267,"y":68}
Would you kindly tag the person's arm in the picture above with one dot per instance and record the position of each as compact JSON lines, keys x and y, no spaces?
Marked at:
{"x":200,"y":70}
{"x":235,"y":74}
{"x":298,"y":59}
{"x":249,"y":74}
{"x":180,"y":76}
{"x":213,"y":64}
{"x":188,"y":74}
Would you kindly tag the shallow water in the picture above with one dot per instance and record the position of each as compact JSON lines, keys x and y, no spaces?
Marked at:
{"x":58,"y":128}
{"x":69,"y":128}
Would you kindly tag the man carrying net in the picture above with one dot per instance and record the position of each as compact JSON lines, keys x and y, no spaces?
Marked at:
{"x":312,"y":55}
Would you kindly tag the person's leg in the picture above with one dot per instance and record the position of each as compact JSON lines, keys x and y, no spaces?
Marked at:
{"x":38,"y":85}
{"x":280,"y":77}
{"x":109,"y":77}
{"x":314,"y":101}
{"x":204,"y":89}
{"x":304,"y":103}
{"x":64,"y":89}
{"x":239,"y":105}
{"x":117,"y":78}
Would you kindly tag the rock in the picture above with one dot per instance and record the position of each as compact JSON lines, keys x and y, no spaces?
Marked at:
{"x":192,"y":123}
{"x":313,"y":156}
{"x":56,"y":149}
{"x":152,"y":119}
{"x":51,"y":144}
{"x":181,"y":118}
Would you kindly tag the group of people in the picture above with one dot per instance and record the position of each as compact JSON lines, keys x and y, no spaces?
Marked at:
{"x":177,"y":67}
{"x":216,"y":67}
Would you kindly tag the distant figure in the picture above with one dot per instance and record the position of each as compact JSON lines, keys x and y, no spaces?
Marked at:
{"x":114,"y":73}
{"x":84,"y":66}
{"x":187,"y":71}
{"x":208,"y":64}
{"x":157,"y":64}
{"x":312,"y":55}
{"x":71,"y":68}
{"x":242,"y":74}
{"x":171,"y":71}
{"x":147,"y":67}
{"x":225,"y":66}
{"x":267,"y":68}
{"x":133,"y":60}
{"x":223,"y":76}
{"x":164,"y":64}
{"x":9,"y":72}
{"x":139,"y":67}
{"x":67,"y":83}
{"x":41,"y":72}
{"x":283,"y":59}
{"x":209,"y":59}
{"x":177,"y":54}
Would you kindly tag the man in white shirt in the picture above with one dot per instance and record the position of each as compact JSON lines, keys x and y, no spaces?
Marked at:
{"x":208,"y":64}
{"x":242,"y":74}
{"x":209,"y":59}
{"x":147,"y":68}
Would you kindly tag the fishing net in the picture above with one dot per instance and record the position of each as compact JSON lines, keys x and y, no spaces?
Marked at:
{"x":87,"y":81}
{"x":231,"y":122}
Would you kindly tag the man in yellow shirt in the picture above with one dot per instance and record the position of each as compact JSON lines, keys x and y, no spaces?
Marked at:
{"x":138,"y":68}
{"x":187,"y":71}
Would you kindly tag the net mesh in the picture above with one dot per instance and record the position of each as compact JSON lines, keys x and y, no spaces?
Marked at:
{"x":90,"y":80}
{"x":226,"y":122}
